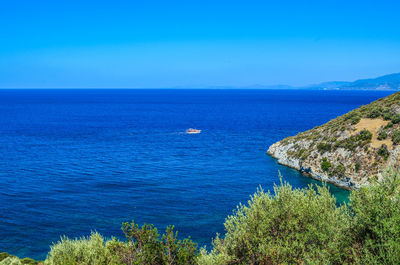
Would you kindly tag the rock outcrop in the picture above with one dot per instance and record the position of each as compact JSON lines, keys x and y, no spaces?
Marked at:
{"x":350,"y":150}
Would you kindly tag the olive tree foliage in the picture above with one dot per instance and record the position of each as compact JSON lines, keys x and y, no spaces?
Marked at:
{"x":11,"y":261}
{"x":143,"y":246}
{"x":82,"y":251}
{"x":376,"y":222}
{"x":294,"y":226}
{"x":305,"y":226}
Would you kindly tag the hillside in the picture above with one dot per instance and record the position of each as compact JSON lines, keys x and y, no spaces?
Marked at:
{"x":350,"y":150}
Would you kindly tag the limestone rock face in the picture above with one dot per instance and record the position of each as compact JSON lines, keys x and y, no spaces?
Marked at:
{"x":350,"y":150}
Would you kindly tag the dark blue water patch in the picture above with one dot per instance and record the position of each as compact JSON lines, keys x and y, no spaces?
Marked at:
{"x":72,"y":161}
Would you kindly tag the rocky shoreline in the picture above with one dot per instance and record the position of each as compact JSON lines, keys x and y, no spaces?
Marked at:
{"x":275,"y":151}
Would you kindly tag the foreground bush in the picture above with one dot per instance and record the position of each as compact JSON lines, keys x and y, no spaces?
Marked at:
{"x":11,"y":261}
{"x":293,"y":226}
{"x":90,"y":250}
{"x":143,"y":246}
{"x":306,"y":227}
{"x":7,"y":259}
{"x":376,"y":221}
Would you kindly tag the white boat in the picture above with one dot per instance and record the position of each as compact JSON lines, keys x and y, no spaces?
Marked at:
{"x":192,"y":131}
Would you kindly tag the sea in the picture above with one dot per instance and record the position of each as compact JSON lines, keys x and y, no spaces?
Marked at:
{"x":74,"y":161}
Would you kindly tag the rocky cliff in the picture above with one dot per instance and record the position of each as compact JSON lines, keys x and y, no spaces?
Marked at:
{"x":350,"y":150}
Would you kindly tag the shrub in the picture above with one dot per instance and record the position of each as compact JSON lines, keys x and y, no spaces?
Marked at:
{"x":387,"y":115}
{"x":306,"y":227}
{"x":365,"y":135}
{"x":357,"y":167}
{"x":304,"y":154}
{"x":382,"y":135}
{"x":396,"y":119}
{"x":4,"y":255}
{"x":351,"y":143}
{"x":301,"y":153}
{"x":374,"y":113}
{"x":354,"y":118}
{"x":292,"y":227}
{"x":389,"y":125}
{"x":145,"y":247}
{"x":383,"y":151}
{"x":396,"y":137}
{"x":325,"y":165}
{"x":11,"y":261}
{"x":339,"y":171}
{"x":85,"y":251}
{"x":324,"y":147}
{"x":376,"y":222}
{"x":7,"y":259}
{"x":29,"y":261}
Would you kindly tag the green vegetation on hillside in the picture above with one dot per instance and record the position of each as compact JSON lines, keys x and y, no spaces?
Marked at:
{"x":350,"y":149}
{"x":290,"y":226}
{"x":385,"y":108}
{"x":325,"y":165}
{"x":396,"y":137}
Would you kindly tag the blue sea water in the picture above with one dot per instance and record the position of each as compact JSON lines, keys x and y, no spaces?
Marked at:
{"x":73,"y":161}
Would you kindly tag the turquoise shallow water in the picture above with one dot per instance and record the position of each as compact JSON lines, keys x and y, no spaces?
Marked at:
{"x":72,"y":161}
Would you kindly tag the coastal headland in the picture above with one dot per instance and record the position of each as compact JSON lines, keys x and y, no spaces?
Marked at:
{"x":350,"y":150}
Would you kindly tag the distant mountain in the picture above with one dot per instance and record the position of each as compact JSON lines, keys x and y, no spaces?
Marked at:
{"x":386,"y":82}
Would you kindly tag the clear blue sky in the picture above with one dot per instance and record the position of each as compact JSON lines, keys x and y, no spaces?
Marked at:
{"x":189,"y":43}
